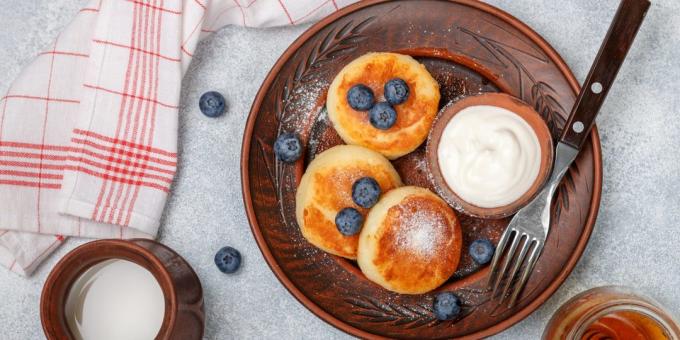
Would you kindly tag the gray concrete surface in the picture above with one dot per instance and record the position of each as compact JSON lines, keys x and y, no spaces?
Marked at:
{"x":635,"y":241}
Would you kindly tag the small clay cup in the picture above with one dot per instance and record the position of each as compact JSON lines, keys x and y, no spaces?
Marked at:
{"x":510,"y":103}
{"x":184,"y":316}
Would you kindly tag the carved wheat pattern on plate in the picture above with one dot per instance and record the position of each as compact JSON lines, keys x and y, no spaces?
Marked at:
{"x":409,"y":316}
{"x":542,"y":94}
{"x":337,"y":43}
{"x":548,"y":107}
{"x":413,"y":316}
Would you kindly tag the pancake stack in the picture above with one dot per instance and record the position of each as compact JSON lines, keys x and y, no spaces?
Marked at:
{"x":411,"y":240}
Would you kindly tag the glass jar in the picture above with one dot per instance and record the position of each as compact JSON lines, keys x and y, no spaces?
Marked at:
{"x":611,"y":312}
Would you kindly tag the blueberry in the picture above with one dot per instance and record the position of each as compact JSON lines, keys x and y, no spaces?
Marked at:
{"x":482,"y":251}
{"x":349,"y":221}
{"x":446,"y":306}
{"x":396,"y":91}
{"x":360,"y":97}
{"x":228,"y":260}
{"x":288,"y":147}
{"x":382,"y":116}
{"x":212,"y":104}
{"x":365,"y":192}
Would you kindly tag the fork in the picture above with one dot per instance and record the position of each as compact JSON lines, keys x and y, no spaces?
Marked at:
{"x":530,"y":226}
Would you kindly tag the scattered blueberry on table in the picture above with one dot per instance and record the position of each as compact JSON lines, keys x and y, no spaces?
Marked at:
{"x":366,"y":192}
{"x":382,"y":116}
{"x":360,"y":97}
{"x":482,"y":251}
{"x":396,"y":91}
{"x":288,"y":147}
{"x":349,"y":221}
{"x":212,"y":104}
{"x":228,"y":260}
{"x":446,"y":306}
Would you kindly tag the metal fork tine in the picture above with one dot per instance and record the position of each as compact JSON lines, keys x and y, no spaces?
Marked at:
{"x":506,"y":262}
{"x":527,"y":271}
{"x":497,"y":256}
{"x":528,"y":240}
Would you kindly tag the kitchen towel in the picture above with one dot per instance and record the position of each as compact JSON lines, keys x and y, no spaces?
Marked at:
{"x":88,"y":131}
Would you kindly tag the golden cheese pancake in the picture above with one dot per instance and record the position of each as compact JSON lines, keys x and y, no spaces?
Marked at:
{"x":414,"y":117}
{"x":411,"y":241}
{"x":326,"y":188}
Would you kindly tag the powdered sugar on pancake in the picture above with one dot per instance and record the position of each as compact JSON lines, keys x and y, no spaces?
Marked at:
{"x":422,"y":232}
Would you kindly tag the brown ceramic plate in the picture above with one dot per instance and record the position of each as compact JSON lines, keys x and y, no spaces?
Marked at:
{"x":469,"y":47}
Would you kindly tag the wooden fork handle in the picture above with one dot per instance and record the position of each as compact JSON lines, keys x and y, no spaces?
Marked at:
{"x":613,"y":51}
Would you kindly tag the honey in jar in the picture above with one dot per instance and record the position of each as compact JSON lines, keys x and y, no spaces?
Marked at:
{"x":611,"y":313}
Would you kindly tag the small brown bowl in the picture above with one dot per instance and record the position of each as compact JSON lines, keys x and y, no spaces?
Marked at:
{"x":507,"y":102}
{"x":184,"y":315}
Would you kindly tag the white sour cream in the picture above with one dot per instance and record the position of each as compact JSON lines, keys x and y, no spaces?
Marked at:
{"x":489,"y":156}
{"x":115,"y":300}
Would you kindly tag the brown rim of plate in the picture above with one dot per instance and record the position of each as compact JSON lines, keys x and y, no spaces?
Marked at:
{"x":308,"y":303}
{"x":512,"y":104}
